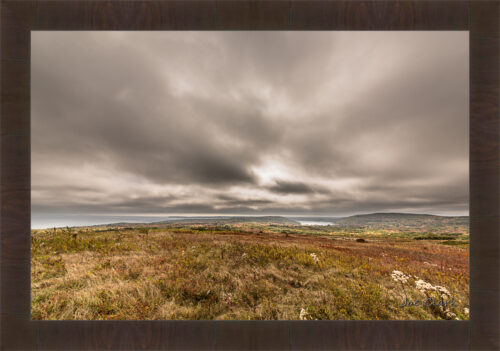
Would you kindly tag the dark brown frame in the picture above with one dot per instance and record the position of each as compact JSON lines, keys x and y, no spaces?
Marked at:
{"x":19,"y":17}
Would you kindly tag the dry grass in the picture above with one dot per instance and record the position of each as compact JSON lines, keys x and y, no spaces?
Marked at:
{"x":182,"y":273}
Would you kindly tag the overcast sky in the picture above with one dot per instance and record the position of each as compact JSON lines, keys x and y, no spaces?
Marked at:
{"x":290,"y":123}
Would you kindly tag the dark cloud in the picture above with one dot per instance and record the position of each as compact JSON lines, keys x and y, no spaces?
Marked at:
{"x":282,"y":187}
{"x":249,"y":122}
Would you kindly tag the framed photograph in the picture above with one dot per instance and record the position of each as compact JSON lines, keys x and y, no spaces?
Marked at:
{"x":250,"y":175}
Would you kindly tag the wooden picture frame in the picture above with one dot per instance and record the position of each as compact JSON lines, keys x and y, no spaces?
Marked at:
{"x":19,"y":18}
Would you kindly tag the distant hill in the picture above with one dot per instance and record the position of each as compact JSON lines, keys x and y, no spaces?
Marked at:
{"x":407,"y":221}
{"x":118,"y":224}
{"x":229,"y":220}
{"x":314,"y":219}
{"x":205,"y":220}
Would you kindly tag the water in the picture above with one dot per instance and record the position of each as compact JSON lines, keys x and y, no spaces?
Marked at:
{"x":315,"y":223}
{"x":62,"y":220}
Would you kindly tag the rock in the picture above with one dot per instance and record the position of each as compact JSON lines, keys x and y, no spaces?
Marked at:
{"x":303,"y":314}
{"x":449,"y":315}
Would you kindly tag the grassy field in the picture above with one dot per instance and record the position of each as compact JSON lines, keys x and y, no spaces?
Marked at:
{"x":242,"y":271}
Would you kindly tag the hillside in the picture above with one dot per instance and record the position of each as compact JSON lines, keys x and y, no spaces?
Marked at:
{"x":407,"y":221}
{"x":230,"y":220}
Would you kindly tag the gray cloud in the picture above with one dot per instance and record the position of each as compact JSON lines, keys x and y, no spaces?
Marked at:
{"x":249,"y":122}
{"x":291,"y":188}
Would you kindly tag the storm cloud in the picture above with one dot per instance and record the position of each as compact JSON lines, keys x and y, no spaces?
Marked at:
{"x":323,"y":123}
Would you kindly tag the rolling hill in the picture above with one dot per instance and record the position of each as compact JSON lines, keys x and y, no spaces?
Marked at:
{"x":407,"y":221}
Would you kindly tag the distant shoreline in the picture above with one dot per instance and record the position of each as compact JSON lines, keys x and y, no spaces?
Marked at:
{"x":92,"y":221}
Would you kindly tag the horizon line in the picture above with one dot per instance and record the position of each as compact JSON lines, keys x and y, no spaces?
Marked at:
{"x":229,"y":215}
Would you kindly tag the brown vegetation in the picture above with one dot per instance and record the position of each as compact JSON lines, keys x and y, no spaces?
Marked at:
{"x":186,"y":273}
